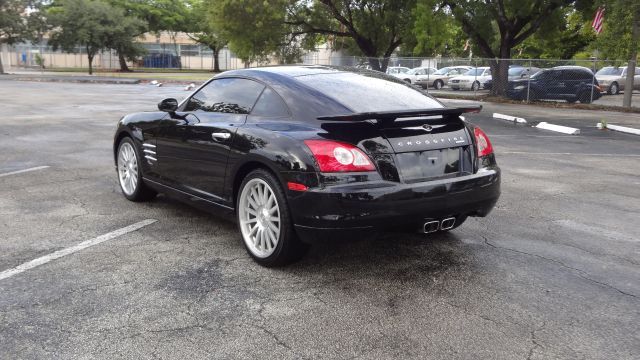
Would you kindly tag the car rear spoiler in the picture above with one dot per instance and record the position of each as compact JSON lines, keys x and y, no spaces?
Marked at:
{"x":393,"y":115}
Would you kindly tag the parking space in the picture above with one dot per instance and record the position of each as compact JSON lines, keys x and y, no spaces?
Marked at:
{"x":553,"y":272}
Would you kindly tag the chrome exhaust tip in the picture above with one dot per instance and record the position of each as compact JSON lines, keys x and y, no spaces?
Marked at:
{"x":448,"y":223}
{"x":430,"y":227}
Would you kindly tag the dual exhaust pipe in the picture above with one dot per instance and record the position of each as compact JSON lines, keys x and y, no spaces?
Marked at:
{"x":433,"y":226}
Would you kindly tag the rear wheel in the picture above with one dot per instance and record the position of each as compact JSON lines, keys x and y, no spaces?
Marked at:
{"x":130,"y":173}
{"x":584,"y":97}
{"x":614,"y":89}
{"x":438,"y":84}
{"x":475,"y":86}
{"x":265,"y":222}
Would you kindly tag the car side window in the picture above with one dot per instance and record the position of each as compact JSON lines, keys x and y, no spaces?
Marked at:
{"x":229,"y":95}
{"x":270,"y":104}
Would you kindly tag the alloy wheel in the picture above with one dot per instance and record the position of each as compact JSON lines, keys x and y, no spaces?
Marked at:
{"x":127,"y":168}
{"x":259,"y":215}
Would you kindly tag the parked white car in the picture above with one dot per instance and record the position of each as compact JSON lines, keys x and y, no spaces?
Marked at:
{"x":414,"y":74}
{"x":395,"y":70}
{"x":441,"y":77}
{"x":473,"y":79}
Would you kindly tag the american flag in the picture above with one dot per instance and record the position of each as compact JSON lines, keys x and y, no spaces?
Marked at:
{"x":598,"y":19}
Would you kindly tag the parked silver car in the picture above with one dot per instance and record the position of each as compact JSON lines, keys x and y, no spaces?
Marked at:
{"x":441,"y":77}
{"x":613,"y":78}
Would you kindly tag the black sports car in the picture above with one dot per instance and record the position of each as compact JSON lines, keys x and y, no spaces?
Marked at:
{"x":301,"y":153}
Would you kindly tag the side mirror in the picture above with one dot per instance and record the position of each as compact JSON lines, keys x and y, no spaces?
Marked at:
{"x":168,"y":105}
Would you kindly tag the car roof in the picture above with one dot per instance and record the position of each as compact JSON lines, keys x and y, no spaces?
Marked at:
{"x":570,"y":67}
{"x":302,"y":99}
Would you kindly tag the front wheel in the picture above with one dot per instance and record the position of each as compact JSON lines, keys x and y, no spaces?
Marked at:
{"x":265,"y":222}
{"x":614,"y":89}
{"x":130,"y":174}
{"x":475,"y":86}
{"x":438,"y":84}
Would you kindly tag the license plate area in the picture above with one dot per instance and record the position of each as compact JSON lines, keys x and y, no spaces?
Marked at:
{"x":430,"y":164}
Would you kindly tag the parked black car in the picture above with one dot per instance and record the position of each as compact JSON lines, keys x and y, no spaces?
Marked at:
{"x":570,"y":83}
{"x":306,"y":152}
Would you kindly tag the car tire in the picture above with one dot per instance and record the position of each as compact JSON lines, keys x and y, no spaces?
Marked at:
{"x":408,"y":80}
{"x":614,"y":89}
{"x":584,"y":97}
{"x":265,"y":222}
{"x":130,"y":173}
{"x":438,"y":84}
{"x":475,"y":86}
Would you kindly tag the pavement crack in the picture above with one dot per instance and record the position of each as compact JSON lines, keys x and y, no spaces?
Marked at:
{"x":580,"y":273}
{"x":534,"y":340}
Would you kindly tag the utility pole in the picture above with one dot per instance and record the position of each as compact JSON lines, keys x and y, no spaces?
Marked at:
{"x":633,"y":54}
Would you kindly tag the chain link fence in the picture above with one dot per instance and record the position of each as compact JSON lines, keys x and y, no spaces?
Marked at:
{"x":601,"y":82}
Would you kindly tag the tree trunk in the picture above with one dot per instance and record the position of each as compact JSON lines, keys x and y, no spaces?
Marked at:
{"x":374,"y":62}
{"x":123,"y":63}
{"x":1,"y":66}
{"x":216,"y":60}
{"x":90,"y":58}
{"x":500,"y":70}
{"x":633,"y":58}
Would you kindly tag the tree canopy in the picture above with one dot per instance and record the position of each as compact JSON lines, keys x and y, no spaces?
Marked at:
{"x":496,"y":27}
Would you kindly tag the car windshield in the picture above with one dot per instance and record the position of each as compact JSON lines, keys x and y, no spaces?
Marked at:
{"x":610,"y":71}
{"x":368,"y":92}
{"x":515,"y":71}
{"x":414,"y":71}
{"x":442,"y":71}
{"x":397,"y":70}
{"x":541,"y":74}
{"x":475,"y":72}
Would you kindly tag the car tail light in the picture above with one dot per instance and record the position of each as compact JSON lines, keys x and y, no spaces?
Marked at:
{"x":334,"y":156}
{"x":482,"y":142}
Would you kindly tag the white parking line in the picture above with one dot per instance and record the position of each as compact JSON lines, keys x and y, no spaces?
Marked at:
{"x":24,"y":170}
{"x":70,"y":250}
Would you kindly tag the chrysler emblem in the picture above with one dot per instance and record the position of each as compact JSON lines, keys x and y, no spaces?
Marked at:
{"x":427,"y":127}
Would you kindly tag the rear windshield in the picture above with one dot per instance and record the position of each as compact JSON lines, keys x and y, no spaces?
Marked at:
{"x":369,"y":92}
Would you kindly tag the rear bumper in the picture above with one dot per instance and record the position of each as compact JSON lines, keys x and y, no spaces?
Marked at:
{"x":382,"y":205}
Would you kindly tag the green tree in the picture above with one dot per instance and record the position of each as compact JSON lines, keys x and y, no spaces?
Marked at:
{"x":435,"y":31}
{"x":377,"y":27}
{"x":254,"y":28}
{"x":496,"y":27}
{"x":620,"y":37}
{"x":572,"y":37}
{"x":134,"y":26}
{"x":202,"y":31}
{"x":13,"y":25}
{"x":93,"y":24}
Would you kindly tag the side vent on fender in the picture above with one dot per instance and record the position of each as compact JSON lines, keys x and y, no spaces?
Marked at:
{"x":150,"y":153}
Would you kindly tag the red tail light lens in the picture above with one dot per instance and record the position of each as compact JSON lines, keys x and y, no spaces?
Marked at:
{"x":482,"y":142}
{"x":334,"y":156}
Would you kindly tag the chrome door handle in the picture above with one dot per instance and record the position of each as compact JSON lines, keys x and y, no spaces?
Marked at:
{"x":220,"y":136}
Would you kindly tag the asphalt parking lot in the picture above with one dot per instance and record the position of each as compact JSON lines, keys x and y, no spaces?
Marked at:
{"x":553,"y":272}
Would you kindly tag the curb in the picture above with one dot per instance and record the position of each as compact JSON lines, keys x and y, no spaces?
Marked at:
{"x":622,"y":129}
{"x":509,"y":118}
{"x":558,"y":128}
{"x":79,"y":81}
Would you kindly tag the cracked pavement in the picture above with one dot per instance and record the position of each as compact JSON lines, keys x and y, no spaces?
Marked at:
{"x":553,"y":272}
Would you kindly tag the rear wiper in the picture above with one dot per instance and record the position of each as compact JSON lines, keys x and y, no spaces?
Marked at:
{"x":393,"y":115}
